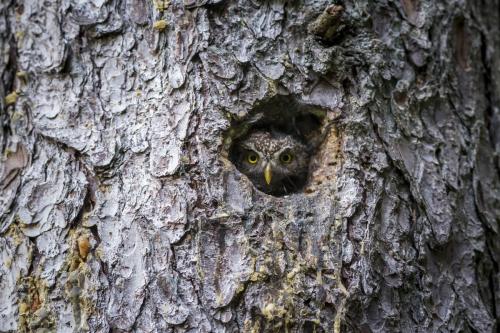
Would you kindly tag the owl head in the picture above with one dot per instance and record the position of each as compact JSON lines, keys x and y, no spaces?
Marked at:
{"x":276,"y":163}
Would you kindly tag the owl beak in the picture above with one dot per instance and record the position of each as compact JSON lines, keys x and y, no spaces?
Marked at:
{"x":267,"y":173}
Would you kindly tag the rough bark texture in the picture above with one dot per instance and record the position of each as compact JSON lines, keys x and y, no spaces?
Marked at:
{"x":120,"y":212}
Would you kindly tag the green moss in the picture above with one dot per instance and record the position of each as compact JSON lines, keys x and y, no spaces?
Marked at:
{"x":34,"y":312}
{"x":160,"y":25}
{"x":161,"y":5}
{"x":11,"y":98}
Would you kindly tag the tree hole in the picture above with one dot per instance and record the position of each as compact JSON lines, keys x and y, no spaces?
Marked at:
{"x":274,"y":143}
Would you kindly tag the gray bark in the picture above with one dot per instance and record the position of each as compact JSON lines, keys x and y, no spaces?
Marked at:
{"x":121,"y":212}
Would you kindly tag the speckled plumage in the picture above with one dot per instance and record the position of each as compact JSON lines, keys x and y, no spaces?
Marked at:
{"x":270,"y":145}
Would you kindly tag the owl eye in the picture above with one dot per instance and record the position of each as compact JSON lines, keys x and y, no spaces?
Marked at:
{"x":286,"y":158}
{"x":252,"y":158}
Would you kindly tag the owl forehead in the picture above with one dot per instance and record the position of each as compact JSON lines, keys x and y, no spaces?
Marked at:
{"x":268,"y":144}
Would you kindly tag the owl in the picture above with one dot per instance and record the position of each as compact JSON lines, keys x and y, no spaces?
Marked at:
{"x":275,"y":162}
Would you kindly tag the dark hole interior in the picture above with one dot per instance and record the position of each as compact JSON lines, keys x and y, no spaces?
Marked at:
{"x":279,"y":118}
{"x":311,"y":327}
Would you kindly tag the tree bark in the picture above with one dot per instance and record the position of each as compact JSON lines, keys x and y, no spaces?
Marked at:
{"x":120,"y":210}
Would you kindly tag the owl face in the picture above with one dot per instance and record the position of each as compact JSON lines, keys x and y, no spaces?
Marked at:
{"x":277,"y":163}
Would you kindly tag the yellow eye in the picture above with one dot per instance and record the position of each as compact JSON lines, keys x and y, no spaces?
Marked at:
{"x":286,"y":158}
{"x":252,"y":158}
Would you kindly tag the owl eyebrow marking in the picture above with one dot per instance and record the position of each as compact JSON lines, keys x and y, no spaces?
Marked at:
{"x":249,"y":146}
{"x":282,"y":150}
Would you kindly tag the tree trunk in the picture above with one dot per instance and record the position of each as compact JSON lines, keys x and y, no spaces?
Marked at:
{"x":120,"y":208}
